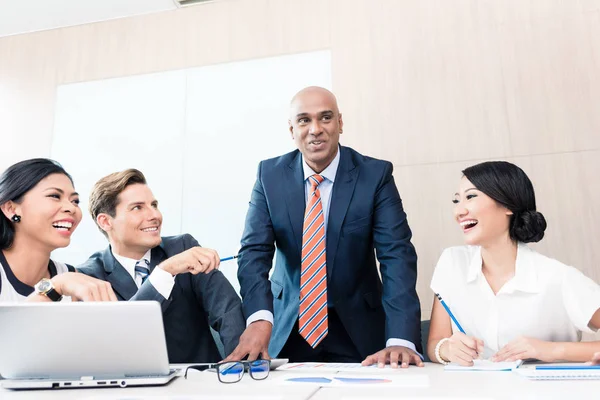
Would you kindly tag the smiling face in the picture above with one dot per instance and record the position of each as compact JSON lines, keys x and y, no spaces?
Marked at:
{"x":316,"y":124}
{"x":482,"y":220}
{"x":135,"y":228}
{"x":49,"y":212}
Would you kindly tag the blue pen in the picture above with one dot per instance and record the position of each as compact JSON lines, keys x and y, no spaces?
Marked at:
{"x":228,"y":258}
{"x":450,"y":313}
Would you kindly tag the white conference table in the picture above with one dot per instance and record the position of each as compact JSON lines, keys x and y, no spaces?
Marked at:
{"x":442,"y":385}
{"x":475,"y":385}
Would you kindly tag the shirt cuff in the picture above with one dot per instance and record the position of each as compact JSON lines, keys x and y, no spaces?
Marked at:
{"x":260,"y":315}
{"x":401,"y":342}
{"x":162,"y":281}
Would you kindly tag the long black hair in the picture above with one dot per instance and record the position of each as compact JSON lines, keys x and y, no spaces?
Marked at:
{"x":508,"y":185}
{"x":15,"y":182}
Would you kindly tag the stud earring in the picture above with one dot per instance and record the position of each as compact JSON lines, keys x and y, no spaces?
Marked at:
{"x":16,"y":218}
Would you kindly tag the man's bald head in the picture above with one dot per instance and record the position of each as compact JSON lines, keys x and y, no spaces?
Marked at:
{"x":313,"y":92}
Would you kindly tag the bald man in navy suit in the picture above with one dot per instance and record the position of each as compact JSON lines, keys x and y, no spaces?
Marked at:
{"x":347,"y":313}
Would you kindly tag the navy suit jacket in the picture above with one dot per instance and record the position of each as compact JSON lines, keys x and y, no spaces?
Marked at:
{"x":196,"y":302}
{"x":365,"y":216}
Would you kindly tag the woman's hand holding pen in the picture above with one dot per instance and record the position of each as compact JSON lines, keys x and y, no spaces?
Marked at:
{"x":462,"y":349}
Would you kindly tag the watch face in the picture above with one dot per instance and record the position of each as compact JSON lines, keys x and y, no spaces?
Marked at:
{"x":44,"y":285}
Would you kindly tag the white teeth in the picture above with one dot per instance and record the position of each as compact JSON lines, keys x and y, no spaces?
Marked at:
{"x":63,"y":224}
{"x":153,"y":229}
{"x":468,"y":222}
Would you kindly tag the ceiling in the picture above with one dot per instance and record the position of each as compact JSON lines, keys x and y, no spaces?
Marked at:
{"x":22,"y":16}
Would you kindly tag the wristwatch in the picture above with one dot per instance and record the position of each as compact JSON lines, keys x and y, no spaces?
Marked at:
{"x":46,"y":288}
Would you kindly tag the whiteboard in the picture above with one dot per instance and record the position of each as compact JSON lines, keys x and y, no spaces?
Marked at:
{"x":197,"y":134}
{"x":111,"y":125}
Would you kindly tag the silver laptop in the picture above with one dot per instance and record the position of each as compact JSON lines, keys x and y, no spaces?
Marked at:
{"x":74,"y":345}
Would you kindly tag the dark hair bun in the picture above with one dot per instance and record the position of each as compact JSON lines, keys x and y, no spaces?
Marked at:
{"x":528,"y":226}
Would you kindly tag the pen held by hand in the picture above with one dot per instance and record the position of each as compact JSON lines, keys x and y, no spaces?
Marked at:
{"x":450,"y":313}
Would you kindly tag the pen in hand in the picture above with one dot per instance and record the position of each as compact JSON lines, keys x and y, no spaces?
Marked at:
{"x":460,"y":328}
{"x":228,"y":258}
{"x":450,"y":313}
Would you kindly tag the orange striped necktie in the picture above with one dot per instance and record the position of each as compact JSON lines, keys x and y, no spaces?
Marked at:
{"x":312,"y":320}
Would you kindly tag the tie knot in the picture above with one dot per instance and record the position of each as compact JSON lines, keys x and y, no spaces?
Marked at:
{"x":142,"y":263}
{"x":315,"y":180}
{"x":142,"y":269}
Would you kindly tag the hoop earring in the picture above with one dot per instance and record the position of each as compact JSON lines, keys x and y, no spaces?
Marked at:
{"x":16,"y":218}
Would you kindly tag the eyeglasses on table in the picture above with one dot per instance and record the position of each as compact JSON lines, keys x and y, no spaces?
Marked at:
{"x":233,"y":371}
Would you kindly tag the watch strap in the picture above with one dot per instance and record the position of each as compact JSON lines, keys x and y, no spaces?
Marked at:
{"x":53,"y":295}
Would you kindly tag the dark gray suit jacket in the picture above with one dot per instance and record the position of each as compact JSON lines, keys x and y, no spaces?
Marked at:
{"x":196,"y":302}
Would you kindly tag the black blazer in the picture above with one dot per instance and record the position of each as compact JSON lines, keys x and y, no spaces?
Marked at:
{"x":365,"y":216}
{"x":196,"y":302}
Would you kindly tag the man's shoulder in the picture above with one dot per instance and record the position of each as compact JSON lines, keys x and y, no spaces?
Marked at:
{"x":93,"y":266}
{"x":270,"y":170}
{"x":279,"y":161}
{"x":363,"y":160}
{"x":176,"y":244}
{"x":177,"y":239}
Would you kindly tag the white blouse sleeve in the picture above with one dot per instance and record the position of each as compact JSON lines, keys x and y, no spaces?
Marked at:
{"x":581,"y":298}
{"x":442,"y":273}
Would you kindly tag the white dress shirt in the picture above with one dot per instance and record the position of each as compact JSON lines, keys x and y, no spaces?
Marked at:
{"x":545,"y":299}
{"x":162,"y":281}
{"x":325,"y":190}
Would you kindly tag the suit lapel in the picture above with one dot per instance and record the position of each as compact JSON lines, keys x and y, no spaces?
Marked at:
{"x":157,"y":255}
{"x":120,"y":280}
{"x":343,"y":189}
{"x":293,"y":183}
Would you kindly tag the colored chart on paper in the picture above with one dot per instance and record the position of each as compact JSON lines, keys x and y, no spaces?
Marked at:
{"x":369,"y":381}
{"x":309,"y":379}
{"x":340,"y":380}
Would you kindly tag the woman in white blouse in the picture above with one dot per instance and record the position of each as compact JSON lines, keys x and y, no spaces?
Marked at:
{"x":39,"y":212}
{"x":512,"y":302}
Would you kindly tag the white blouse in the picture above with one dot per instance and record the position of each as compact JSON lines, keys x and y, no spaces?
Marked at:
{"x":12,"y":290}
{"x":545,"y":299}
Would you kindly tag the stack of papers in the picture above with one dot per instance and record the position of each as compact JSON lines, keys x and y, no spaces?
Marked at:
{"x":349,"y":374}
{"x":340,"y":379}
{"x":486,"y":365}
{"x":561,"y":372}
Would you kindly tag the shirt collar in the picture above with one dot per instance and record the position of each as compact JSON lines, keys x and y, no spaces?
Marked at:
{"x":328,"y":173}
{"x":129,"y":263}
{"x":525,"y":279}
{"x":475,"y":266}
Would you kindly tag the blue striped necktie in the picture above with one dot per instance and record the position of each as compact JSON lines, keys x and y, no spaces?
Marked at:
{"x":142,"y":269}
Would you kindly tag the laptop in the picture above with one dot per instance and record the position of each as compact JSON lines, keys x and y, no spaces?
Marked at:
{"x":74,"y":345}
